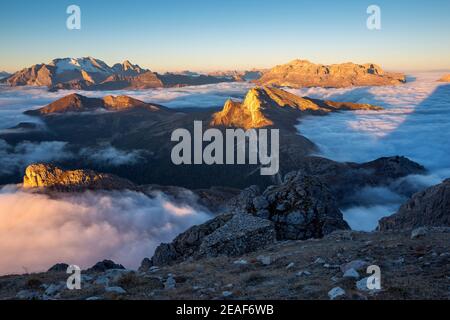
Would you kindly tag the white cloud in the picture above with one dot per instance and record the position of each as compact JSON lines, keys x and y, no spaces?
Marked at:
{"x":108,"y":155}
{"x":37,"y":231}
{"x":17,"y":158}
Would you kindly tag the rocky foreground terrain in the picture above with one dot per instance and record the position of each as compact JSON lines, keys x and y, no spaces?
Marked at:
{"x":412,"y":267}
{"x":302,"y":73}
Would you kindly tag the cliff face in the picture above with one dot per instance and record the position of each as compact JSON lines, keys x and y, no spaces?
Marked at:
{"x":264,"y":104}
{"x":302,"y":73}
{"x":53,"y":178}
{"x":430,"y":208}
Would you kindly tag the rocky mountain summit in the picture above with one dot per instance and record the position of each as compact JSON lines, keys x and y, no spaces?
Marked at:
{"x":428,"y":208}
{"x":262,"y":104}
{"x":445,"y":78}
{"x":78,"y":103}
{"x":302,"y":73}
{"x":93,"y":74}
{"x":53,"y":178}
{"x":4,"y":74}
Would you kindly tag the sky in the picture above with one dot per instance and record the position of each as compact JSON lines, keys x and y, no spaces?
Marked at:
{"x":206,"y":35}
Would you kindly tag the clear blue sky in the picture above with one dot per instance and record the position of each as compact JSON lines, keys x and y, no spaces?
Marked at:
{"x":227,"y":34}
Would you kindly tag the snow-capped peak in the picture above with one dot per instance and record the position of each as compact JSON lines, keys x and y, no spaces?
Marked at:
{"x":87,"y":64}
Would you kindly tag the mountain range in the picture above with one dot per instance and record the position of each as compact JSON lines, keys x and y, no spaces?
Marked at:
{"x":4,"y":74}
{"x":302,"y":73}
{"x":93,"y":74}
{"x":129,"y":124}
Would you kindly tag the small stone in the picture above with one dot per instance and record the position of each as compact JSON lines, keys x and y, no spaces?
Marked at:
{"x":336,"y":293}
{"x":118,"y":290}
{"x":319,"y":261}
{"x":290,"y":265}
{"x":358,"y":265}
{"x":362,"y":284}
{"x":265,"y":260}
{"x":94,"y":298}
{"x":303,"y":273}
{"x":153,"y":269}
{"x":170,"y":283}
{"x":240,"y":262}
{"x":419,"y":233}
{"x":351,"y":273}
{"x":227,"y":294}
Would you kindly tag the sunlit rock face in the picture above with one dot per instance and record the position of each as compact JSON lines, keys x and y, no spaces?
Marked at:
{"x":264,"y":104}
{"x":445,"y":78}
{"x":302,"y":73}
{"x":53,"y":178}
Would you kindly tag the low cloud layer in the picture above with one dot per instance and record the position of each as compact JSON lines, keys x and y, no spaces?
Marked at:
{"x":17,"y":158}
{"x":415,"y":124}
{"x":110,"y":156}
{"x":37,"y":231}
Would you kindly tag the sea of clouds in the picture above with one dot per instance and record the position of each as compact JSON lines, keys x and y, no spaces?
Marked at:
{"x":37,"y":231}
{"x":415,"y":124}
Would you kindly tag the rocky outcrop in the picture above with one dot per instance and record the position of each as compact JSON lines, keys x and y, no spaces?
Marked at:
{"x":227,"y":234}
{"x":429,"y":208}
{"x":302,"y":73}
{"x":263,"y":105}
{"x":78,"y":103}
{"x":302,"y":207}
{"x":53,"y":178}
{"x":445,"y":78}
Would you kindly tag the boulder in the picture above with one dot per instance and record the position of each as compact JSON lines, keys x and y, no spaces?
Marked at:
{"x":242,"y":234}
{"x":302,"y":207}
{"x":227,"y":234}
